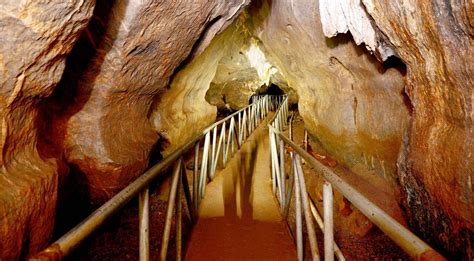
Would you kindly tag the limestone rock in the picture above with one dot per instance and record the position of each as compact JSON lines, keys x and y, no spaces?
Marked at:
{"x":123,"y":63}
{"x":231,"y":69}
{"x":342,"y":16}
{"x":434,"y":39}
{"x":35,"y":38}
{"x":350,"y":101}
{"x":358,"y":106}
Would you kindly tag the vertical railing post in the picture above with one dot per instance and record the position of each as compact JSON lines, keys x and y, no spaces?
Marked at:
{"x":282,"y":173}
{"x":196,"y":179}
{"x":290,"y":128}
{"x":143,"y":217}
{"x":289,"y":193}
{"x":213,"y":151}
{"x":328,"y":222}
{"x":239,"y":133}
{"x":224,"y":144}
{"x":309,"y":220}
{"x":299,"y":227}
{"x":272,"y":160}
{"x":274,"y":154}
{"x":231,"y":135}
{"x":218,"y":152}
{"x":204,"y":165}
{"x":187,"y":193}
{"x":170,"y":210}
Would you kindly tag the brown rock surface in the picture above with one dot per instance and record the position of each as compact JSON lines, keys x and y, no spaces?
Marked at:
{"x":436,"y":168}
{"x":141,"y":78}
{"x":97,"y":119}
{"x":358,"y":109}
{"x":226,"y":74}
{"x":124,"y":61}
{"x":35,"y":38}
{"x":351,"y":102}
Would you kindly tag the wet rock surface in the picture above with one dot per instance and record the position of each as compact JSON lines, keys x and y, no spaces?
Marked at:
{"x":231,"y":69}
{"x":350,"y":101}
{"x":436,"y":162}
{"x":367,"y":112}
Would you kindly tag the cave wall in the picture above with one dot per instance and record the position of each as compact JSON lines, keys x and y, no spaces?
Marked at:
{"x":105,"y":131}
{"x":92,"y":121}
{"x":413,"y":125}
{"x":139,"y":74}
{"x":436,"y":165}
{"x":35,"y":39}
{"x":350,"y":102}
{"x":223,"y":77}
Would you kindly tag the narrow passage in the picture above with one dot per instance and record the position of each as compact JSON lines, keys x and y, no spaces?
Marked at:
{"x":239,"y":217}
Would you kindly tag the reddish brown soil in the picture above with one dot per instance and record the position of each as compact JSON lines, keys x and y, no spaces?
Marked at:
{"x":223,"y":238}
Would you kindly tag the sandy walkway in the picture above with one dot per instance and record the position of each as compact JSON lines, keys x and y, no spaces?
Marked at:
{"x":239,"y":217}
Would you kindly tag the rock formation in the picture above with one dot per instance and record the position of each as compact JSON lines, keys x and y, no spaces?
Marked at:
{"x":35,"y":40}
{"x":357,"y":106}
{"x":97,"y":120}
{"x":226,"y":75}
{"x":89,"y":89}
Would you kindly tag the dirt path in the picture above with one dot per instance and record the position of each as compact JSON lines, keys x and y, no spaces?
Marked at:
{"x":239,"y":217}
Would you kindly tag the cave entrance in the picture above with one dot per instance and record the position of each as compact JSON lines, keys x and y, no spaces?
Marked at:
{"x":274,"y":89}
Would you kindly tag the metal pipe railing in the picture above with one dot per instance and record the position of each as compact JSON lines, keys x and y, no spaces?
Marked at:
{"x":403,"y":237}
{"x":241,"y":124}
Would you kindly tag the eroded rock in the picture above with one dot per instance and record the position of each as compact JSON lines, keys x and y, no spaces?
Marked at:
{"x":231,"y":69}
{"x":436,"y":167}
{"x":36,"y":37}
{"x":350,"y":101}
{"x":136,"y":46}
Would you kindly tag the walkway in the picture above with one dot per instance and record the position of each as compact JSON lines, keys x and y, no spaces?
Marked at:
{"x":239,"y":217}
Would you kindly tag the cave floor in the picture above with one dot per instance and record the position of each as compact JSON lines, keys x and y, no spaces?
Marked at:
{"x":239,"y":217}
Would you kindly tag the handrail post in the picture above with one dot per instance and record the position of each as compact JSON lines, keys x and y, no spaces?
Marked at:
{"x":204,"y":163}
{"x":187,"y":193}
{"x":305,"y":202}
{"x":282,"y":173}
{"x":299,"y":225}
{"x":272,"y":161}
{"x":213,"y":151}
{"x":328,"y":222}
{"x":143,"y":219}
{"x":170,"y":210}
{"x":403,"y":237}
{"x":196,"y":177}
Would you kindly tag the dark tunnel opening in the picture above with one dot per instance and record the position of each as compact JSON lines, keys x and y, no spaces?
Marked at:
{"x":274,"y":89}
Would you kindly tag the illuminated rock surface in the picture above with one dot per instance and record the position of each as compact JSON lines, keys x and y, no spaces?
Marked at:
{"x":89,"y":90}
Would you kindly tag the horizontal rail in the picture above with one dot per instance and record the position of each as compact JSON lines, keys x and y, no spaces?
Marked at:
{"x":404,"y":238}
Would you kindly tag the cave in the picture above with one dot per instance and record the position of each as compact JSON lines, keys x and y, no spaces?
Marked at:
{"x":220,"y":129}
